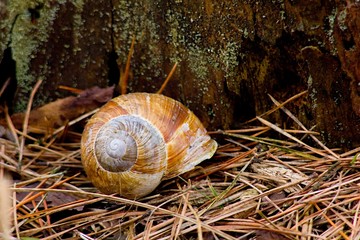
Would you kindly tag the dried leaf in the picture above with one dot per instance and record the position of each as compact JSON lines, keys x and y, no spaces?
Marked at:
{"x":53,"y":199}
{"x":56,"y":114}
{"x":280,"y":174}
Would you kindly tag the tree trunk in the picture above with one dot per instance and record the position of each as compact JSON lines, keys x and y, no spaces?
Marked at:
{"x":231,"y":55}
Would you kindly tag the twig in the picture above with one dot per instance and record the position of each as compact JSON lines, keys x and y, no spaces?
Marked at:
{"x":4,"y":86}
{"x":303,"y":127}
{"x":124,"y":78}
{"x":167,"y":79}
{"x":26,"y":121}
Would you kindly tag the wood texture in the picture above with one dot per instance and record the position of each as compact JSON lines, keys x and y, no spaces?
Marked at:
{"x":231,"y":55}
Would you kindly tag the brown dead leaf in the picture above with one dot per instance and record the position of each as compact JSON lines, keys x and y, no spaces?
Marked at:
{"x":280,"y":174}
{"x":56,"y":114}
{"x":53,"y":199}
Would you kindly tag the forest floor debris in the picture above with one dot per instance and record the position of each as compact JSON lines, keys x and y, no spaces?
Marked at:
{"x":257,"y":186}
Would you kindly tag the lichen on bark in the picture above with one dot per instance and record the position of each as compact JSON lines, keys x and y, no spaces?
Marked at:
{"x":53,"y":40}
{"x":231,"y":55}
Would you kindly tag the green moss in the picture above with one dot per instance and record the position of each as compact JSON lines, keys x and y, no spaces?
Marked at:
{"x":133,"y":19}
{"x":187,"y":43}
{"x":330,"y":32}
{"x":198,"y":63}
{"x":5,"y":26}
{"x":312,"y":93}
{"x":229,"y":56}
{"x":341,"y":20}
{"x":28,"y":37}
{"x":182,"y":39}
{"x":78,"y":24}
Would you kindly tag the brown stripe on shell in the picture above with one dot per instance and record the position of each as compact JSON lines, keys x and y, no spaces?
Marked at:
{"x":187,"y":143}
{"x":163,"y":112}
{"x":179,"y":126}
{"x":108,"y":111}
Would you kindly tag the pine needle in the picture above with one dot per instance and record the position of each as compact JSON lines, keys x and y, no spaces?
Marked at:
{"x":291,"y":187}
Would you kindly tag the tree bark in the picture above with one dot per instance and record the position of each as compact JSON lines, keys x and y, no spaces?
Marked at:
{"x":231,"y":55}
{"x":4,"y":31}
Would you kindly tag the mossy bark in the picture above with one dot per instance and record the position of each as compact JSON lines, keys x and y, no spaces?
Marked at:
{"x":61,"y":42}
{"x":231,"y":55}
{"x":4,"y":28}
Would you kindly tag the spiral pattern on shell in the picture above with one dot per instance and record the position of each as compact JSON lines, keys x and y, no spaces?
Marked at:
{"x":136,"y":140}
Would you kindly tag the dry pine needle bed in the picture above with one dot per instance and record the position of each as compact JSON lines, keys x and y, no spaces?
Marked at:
{"x":255,"y":187}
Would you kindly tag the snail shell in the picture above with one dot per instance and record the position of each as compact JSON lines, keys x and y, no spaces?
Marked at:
{"x":136,"y":140}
